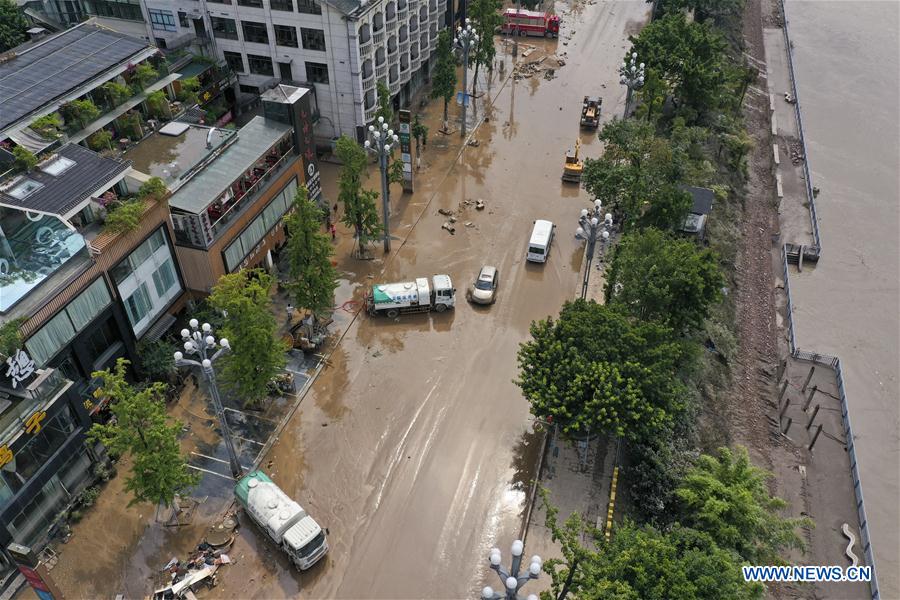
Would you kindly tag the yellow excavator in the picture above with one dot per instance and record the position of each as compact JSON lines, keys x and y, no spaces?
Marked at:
{"x":573,"y":165}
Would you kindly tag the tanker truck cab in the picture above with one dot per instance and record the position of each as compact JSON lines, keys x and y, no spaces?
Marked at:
{"x":284,"y":521}
{"x":540,"y":241}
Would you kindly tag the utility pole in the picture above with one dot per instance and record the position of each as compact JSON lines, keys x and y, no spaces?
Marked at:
{"x":515,"y":29}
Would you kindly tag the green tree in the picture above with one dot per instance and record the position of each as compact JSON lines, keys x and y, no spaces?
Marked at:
{"x":189,"y":88}
{"x":154,"y":188}
{"x":706,"y":9}
{"x":691,"y":57}
{"x":116,"y":92}
{"x":79,"y":113}
{"x":312,"y":277}
{"x":10,"y":338}
{"x":125,"y":217}
{"x":486,"y":18}
{"x":443,"y":79}
{"x":657,"y":277}
{"x":385,"y":110}
{"x":158,"y":104}
{"x":141,"y":429}
{"x":100,"y":140}
{"x":637,"y":175}
{"x":593,"y":370}
{"x":12,"y":25}
{"x":25,"y":160}
{"x":727,"y":497}
{"x":652,"y":95}
{"x":144,"y":74}
{"x":48,"y":126}
{"x":360,"y":209}
{"x":156,"y":361}
{"x":256,"y":355}
{"x":420,"y":134}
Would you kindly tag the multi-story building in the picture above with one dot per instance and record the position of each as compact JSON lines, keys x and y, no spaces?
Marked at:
{"x":339,"y":47}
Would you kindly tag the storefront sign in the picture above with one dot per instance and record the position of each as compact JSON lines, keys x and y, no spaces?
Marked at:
{"x":313,"y":181}
{"x":33,"y":423}
{"x":35,"y":572}
{"x":306,"y":147}
{"x":405,"y":150}
{"x":20,"y":368}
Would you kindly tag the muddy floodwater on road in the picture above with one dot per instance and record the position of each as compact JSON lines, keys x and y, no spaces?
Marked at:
{"x":414,"y":447}
{"x":849,"y":305}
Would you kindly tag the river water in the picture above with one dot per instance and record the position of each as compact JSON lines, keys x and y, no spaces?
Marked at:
{"x":846,"y":59}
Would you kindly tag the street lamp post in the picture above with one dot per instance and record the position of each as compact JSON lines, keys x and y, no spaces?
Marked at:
{"x":380,"y":142}
{"x":591,"y":227}
{"x":515,"y":30}
{"x":512,"y":581}
{"x":465,"y":40}
{"x":631,"y":75}
{"x":199,"y":341}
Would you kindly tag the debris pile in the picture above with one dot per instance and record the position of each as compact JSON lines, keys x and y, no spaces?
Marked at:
{"x":452,"y":216}
{"x":797,"y":155}
{"x":188,"y":576}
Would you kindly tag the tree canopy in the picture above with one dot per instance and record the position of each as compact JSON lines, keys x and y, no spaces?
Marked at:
{"x":486,"y":18}
{"x":12,"y":25}
{"x":142,"y":430}
{"x":443,"y":79}
{"x":657,"y":277}
{"x":594,"y":370}
{"x":637,"y":175}
{"x":727,"y":497}
{"x":360,"y":205}
{"x":312,"y":277}
{"x":385,"y":110}
{"x":256,"y":355}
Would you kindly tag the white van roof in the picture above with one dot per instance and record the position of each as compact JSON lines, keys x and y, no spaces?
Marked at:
{"x":540,"y":235}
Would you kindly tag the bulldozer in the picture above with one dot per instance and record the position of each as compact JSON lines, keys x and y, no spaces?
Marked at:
{"x":573,"y":165}
{"x":590,"y":111}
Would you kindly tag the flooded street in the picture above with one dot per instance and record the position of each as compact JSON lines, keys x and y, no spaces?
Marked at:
{"x":414,"y":447}
{"x":849,"y":305}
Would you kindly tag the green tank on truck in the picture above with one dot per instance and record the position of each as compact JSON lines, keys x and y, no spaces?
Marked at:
{"x":283,"y":520}
{"x":421,"y":295}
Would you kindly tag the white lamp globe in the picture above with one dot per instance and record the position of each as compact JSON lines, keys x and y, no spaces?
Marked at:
{"x":579,"y":232}
{"x":390,"y":133}
{"x":605,"y":235}
{"x":371,"y":128}
{"x":511,"y":583}
{"x":487,"y":593}
{"x":517,"y":548}
{"x":642,"y":66}
{"x":584,"y":212}
{"x":531,"y":597}
{"x":210,"y":340}
{"x":598,"y":204}
{"x":495,"y":559}
{"x":206,"y":363}
{"x":185,"y":333}
{"x":535,"y":569}
{"x":188,"y":346}
{"x":178,"y":355}
{"x":455,"y":41}
{"x":595,"y":221}
{"x":206,"y":327}
{"x":224,"y":342}
{"x":381,"y":119}
{"x":634,"y":56}
{"x":194,"y":323}
{"x":368,"y":144}
{"x":387,"y":147}
{"x":537,"y":559}
{"x":396,"y":138}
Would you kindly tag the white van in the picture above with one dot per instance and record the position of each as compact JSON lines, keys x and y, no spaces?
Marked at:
{"x":539,"y":244}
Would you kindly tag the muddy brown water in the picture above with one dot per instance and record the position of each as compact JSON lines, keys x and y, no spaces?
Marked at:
{"x":846,"y":57}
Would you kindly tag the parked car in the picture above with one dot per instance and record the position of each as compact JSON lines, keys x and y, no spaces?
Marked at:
{"x":484,"y":289}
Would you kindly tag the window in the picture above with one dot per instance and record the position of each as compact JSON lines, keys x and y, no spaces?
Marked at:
{"x":260,"y":65}
{"x":249,"y":89}
{"x":224,"y":28}
{"x":286,"y":5}
{"x":251,"y":3}
{"x":310,"y":7}
{"x":263,"y":223}
{"x":137,"y":305}
{"x":116,"y":9}
{"x":183,"y":20}
{"x":101,"y":340}
{"x":220,"y":1}
{"x":316,"y":72}
{"x":286,"y":35}
{"x":164,"y":278}
{"x":255,"y":32}
{"x":284,"y":71}
{"x":313,"y":39}
{"x":162,"y":20}
{"x":235,"y":61}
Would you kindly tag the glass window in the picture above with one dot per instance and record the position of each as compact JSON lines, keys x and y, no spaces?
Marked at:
{"x":157,"y":240}
{"x":164,"y":279}
{"x":183,"y":20}
{"x":255,"y":32}
{"x":116,"y":9}
{"x":249,"y":89}
{"x":310,"y":7}
{"x":220,"y":1}
{"x":162,"y":20}
{"x":235,"y":61}
{"x":27,"y":526}
{"x":286,"y":5}
{"x":260,"y":65}
{"x":251,"y":3}
{"x":101,"y":340}
{"x":89,"y":304}
{"x":224,"y":28}
{"x":316,"y":72}
{"x":50,"y":338}
{"x":137,"y":305}
{"x":286,"y":35}
{"x":234,"y":254}
{"x":313,"y":39}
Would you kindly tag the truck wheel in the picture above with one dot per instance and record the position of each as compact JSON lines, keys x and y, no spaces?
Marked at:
{"x":440,"y":308}
{"x":393,"y":313}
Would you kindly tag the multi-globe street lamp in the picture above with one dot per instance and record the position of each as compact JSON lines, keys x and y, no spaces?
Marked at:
{"x":590,"y":227}
{"x":512,"y":581}
{"x":380,"y":143}
{"x":200,"y":342}
{"x":465,"y":40}
{"x":631,"y":75}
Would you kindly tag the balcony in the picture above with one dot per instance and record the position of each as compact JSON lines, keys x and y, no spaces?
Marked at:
{"x":434,"y":42}
{"x":423,"y":41}
{"x":381,"y":71}
{"x":378,"y":37}
{"x":403,"y":15}
{"x":365,"y":48}
{"x":404,"y":46}
{"x":370,"y":113}
{"x":392,"y":46}
{"x":394,"y":87}
{"x":368,"y":83}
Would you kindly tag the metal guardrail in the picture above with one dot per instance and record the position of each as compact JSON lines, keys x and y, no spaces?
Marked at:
{"x":810,"y":196}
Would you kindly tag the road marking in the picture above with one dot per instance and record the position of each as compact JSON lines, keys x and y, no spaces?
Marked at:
{"x":247,"y":440}
{"x":211,"y":472}
{"x":246,"y":414}
{"x":224,"y":462}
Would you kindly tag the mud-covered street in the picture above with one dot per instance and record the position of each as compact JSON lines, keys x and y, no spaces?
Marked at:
{"x":414,"y":447}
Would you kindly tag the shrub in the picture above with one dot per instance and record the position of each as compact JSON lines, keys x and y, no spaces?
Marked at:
{"x":124,"y":218}
{"x":144,"y":73}
{"x":153,"y":188}
{"x":75,"y":516}
{"x":156,"y":360}
{"x":158,"y":104}
{"x":79,"y":112}
{"x":189,"y":88}
{"x":116,"y":92}
{"x":48,"y":126}
{"x":100,"y":140}
{"x":89,"y":496}
{"x":25,"y":160}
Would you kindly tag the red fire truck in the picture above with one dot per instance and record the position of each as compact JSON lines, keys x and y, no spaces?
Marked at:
{"x":529,"y":22}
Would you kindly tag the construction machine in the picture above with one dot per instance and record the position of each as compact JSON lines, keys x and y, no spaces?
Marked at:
{"x":574,"y":165}
{"x":590,"y":111}
{"x":308,"y":334}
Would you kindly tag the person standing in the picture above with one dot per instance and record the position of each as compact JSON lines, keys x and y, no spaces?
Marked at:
{"x":333,"y":232}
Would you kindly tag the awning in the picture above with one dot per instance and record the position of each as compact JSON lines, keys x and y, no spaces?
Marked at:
{"x":31,"y":140}
{"x":159,"y":328}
